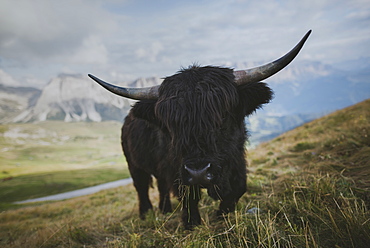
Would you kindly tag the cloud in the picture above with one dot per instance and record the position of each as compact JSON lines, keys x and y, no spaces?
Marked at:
{"x":52,"y":31}
{"x":150,"y":52}
{"x":136,"y":38}
{"x":91,"y":51}
{"x":6,"y":79}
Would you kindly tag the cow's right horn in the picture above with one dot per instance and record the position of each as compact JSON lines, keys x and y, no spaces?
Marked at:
{"x":132,"y":93}
{"x":262,"y":72}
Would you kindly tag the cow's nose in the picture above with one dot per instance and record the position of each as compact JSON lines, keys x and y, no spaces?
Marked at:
{"x":201,"y":176}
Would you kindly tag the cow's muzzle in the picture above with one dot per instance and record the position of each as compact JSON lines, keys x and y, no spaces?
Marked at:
{"x":202,"y":176}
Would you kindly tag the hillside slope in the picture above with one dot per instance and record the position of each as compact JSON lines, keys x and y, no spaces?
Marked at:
{"x":14,"y":100}
{"x":306,"y":188}
{"x":338,"y":144}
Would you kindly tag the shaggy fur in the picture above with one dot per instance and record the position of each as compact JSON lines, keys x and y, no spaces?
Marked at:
{"x":197,"y":120}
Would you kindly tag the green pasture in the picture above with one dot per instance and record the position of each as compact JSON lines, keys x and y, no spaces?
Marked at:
{"x":40,"y":159}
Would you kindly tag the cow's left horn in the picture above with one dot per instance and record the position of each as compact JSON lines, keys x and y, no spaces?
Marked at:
{"x":262,"y":72}
{"x":132,"y":93}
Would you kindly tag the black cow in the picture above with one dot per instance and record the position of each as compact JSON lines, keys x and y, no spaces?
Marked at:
{"x":189,"y":133}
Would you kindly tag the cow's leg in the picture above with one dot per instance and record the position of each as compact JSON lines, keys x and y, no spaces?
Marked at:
{"x":164,"y":196}
{"x":190,"y":212}
{"x":142,"y":181}
{"x":227,"y":205}
{"x":228,"y":202}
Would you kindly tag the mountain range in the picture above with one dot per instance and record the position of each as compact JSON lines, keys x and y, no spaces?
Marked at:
{"x":303,"y":91}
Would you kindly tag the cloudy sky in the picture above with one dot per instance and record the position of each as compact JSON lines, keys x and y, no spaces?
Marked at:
{"x":127,"y":39}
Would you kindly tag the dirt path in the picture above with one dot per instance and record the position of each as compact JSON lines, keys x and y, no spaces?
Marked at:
{"x":80,"y":192}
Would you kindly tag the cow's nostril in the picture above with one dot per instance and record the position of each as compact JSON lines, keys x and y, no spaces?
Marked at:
{"x":209,"y":176}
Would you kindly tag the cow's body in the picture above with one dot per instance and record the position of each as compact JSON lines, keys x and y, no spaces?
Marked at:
{"x":189,"y":133}
{"x":198,"y":120}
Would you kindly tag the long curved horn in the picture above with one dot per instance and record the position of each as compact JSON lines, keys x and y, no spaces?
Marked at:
{"x":262,"y":72}
{"x":132,"y":93}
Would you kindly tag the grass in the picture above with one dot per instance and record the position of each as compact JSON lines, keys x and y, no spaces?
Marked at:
{"x":57,"y":146}
{"x":309,"y":187}
{"x":44,"y":184}
{"x":40,"y":159}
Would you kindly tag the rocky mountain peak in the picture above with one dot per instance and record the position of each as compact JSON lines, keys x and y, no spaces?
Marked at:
{"x":75,"y":98}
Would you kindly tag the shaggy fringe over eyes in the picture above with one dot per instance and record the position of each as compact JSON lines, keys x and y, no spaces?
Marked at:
{"x":194,"y":104}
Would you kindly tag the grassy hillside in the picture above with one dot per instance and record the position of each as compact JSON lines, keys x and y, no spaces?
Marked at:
{"x":309,"y":187}
{"x":49,"y":146}
{"x":39,"y":159}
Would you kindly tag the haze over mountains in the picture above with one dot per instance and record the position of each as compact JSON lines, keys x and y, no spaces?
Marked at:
{"x":303,"y":91}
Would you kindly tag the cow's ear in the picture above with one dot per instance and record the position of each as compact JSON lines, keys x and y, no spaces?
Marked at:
{"x":252,"y":96}
{"x":144,"y":109}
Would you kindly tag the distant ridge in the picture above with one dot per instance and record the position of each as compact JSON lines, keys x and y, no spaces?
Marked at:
{"x":303,"y":91}
{"x":75,"y":98}
{"x":15,"y":100}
